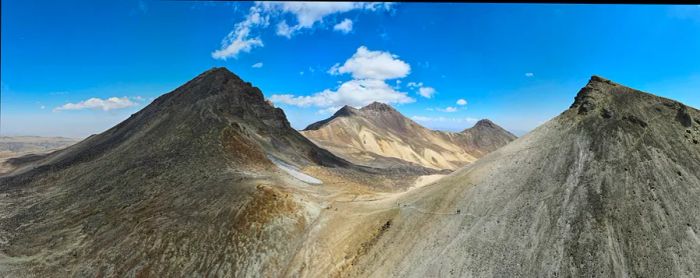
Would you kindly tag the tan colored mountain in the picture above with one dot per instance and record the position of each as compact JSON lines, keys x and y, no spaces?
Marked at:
{"x":377,"y":135}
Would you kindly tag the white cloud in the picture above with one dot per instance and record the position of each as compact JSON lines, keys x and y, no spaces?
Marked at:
{"x":240,"y":40}
{"x":307,"y":15}
{"x":98,"y":104}
{"x":414,"y":84}
{"x":370,"y":70}
{"x":257,"y":65}
{"x":354,"y":92}
{"x":448,"y":109}
{"x":42,"y":107}
{"x":461,"y":102}
{"x":444,"y":119}
{"x":529,"y":74}
{"x":367,"y":64}
{"x":344,"y":26}
{"x":284,"y":30}
{"x":426,"y":92}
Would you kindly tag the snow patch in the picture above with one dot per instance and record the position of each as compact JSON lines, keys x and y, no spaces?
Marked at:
{"x":294,"y":172}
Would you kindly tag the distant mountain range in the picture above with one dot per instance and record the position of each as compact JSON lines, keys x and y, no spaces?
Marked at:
{"x":378,"y":135}
{"x":211,"y":180}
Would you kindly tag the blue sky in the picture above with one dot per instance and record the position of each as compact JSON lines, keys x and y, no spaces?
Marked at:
{"x":74,"y":68}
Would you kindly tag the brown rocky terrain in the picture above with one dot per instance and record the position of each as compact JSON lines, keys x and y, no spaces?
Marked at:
{"x":209,"y":179}
{"x":610,"y":187}
{"x":379,"y":136}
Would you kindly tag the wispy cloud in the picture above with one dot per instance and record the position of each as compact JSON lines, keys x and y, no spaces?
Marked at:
{"x":426,"y":92}
{"x":344,"y":26}
{"x":529,"y":74}
{"x":422,"y":90}
{"x":461,"y":102}
{"x":307,"y":15}
{"x":448,"y":109}
{"x":240,"y":39}
{"x":98,"y":104}
{"x":257,"y":65}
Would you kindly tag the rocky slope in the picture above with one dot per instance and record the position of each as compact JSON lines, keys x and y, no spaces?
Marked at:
{"x":209,"y":179}
{"x":609,"y":188}
{"x":380,"y":136}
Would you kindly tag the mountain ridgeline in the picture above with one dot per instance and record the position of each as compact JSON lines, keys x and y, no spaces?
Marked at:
{"x":202,"y":180}
{"x":211,"y":180}
{"x":609,"y":188}
{"x":377,"y":135}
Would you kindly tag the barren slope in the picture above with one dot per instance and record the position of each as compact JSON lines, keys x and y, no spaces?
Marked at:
{"x":611,"y":187}
{"x":207,"y":180}
{"x":380,"y":136}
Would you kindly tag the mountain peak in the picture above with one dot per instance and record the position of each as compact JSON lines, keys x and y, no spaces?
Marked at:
{"x":596,"y":90}
{"x":377,"y":106}
{"x":219,"y":72}
{"x":347,"y":110}
{"x":485,"y":123}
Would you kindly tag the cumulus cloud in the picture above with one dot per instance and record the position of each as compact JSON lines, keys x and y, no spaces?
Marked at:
{"x":426,"y":92}
{"x":344,"y":26}
{"x":354,"y":93}
{"x":448,"y":109}
{"x":368,"y":64}
{"x":529,"y":74}
{"x":240,"y":39}
{"x":307,"y":15}
{"x":370,"y":71}
{"x":257,"y":65}
{"x":461,"y":102}
{"x":98,"y":104}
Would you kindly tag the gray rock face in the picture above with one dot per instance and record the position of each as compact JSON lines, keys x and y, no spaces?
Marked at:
{"x":609,"y":188}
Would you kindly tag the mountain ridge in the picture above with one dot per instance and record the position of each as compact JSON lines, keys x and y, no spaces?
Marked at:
{"x":392,"y":135}
{"x":609,"y":187}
